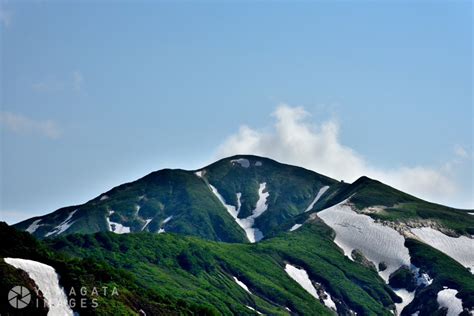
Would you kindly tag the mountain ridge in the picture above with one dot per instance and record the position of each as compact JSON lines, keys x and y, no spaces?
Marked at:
{"x":185,"y":195}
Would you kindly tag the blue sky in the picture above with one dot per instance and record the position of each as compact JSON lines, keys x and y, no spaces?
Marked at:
{"x":94,"y":94}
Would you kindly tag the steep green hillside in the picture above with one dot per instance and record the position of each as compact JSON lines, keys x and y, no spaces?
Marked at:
{"x":155,"y":197}
{"x":197,"y":270}
{"x":87,"y":273}
{"x":446,"y":272}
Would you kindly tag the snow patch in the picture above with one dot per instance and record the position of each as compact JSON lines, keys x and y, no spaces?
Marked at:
{"x":33,"y":226}
{"x":447,"y":298}
{"x":61,"y":228}
{"x":301,"y":276}
{"x":166,"y":220}
{"x":47,"y":281}
{"x":242,"y":162}
{"x":199,"y":173}
{"x":251,"y":308}
{"x":117,"y":227}
{"x":377,"y":242}
{"x":103,"y":197}
{"x":146,"y":223}
{"x":460,"y":249}
{"x":262,"y":201}
{"x":406,"y":297}
{"x":295,"y":227}
{"x":253,"y":233}
{"x":258,"y":163}
{"x":327,"y":300}
{"x":239,"y":204}
{"x":318,"y":196}
{"x":242,"y":285}
{"x":230,"y":208}
{"x":421,"y":278}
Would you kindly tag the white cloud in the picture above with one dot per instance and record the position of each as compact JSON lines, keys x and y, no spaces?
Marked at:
{"x":23,"y":125}
{"x":297,"y":141}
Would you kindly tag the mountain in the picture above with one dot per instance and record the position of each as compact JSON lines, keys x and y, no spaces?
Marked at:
{"x":192,"y":202}
{"x":260,"y":193}
{"x":248,"y":235}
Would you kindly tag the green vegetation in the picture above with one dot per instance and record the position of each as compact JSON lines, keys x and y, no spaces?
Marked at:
{"x":445,"y":272}
{"x":195,"y":270}
{"x":87,"y":273}
{"x":398,"y":206}
{"x":403,"y":278}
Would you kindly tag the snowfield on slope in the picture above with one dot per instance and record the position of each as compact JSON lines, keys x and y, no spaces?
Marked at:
{"x":33,"y":226}
{"x":242,"y":285}
{"x":253,"y":309}
{"x":146,"y":223}
{"x":245,"y":163}
{"x":47,"y":281}
{"x":447,"y":298}
{"x":116,"y":227}
{"x":301,"y":276}
{"x":295,"y":227}
{"x":253,"y":233}
{"x":166,"y":220}
{"x":406,"y":297}
{"x":61,"y":228}
{"x":327,"y":299}
{"x":460,"y":249}
{"x":199,"y":173}
{"x":378,"y":243}
{"x":316,"y":199}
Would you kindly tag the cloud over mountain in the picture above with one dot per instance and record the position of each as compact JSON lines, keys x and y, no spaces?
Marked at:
{"x":296,"y":140}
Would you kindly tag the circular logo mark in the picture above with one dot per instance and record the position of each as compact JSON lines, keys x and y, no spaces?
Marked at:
{"x":19,"y":297}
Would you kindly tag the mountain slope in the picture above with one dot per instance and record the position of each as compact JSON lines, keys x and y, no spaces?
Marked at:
{"x":204,"y":271}
{"x":85,"y":274}
{"x":188,"y":202}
